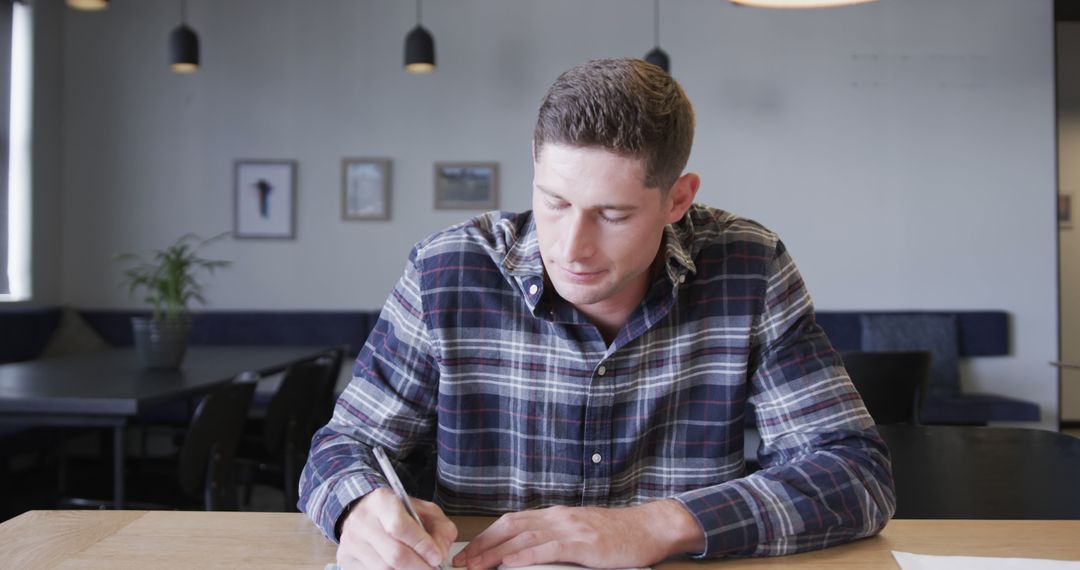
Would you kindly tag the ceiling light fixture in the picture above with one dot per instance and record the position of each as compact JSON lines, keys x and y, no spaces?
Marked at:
{"x":419,"y":48}
{"x":657,"y":56}
{"x":183,"y":45}
{"x":88,"y":5}
{"x":799,"y":3}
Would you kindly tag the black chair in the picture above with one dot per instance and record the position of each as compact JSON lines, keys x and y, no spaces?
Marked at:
{"x":30,"y":475}
{"x":276,"y":445}
{"x":202,"y":475}
{"x":891,"y":383}
{"x":207,"y":458}
{"x":966,"y":472}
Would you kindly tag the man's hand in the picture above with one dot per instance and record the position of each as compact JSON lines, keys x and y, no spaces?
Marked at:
{"x":594,"y":537}
{"x":379,"y":534}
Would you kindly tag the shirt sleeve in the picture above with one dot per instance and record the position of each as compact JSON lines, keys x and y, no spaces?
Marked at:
{"x":826,"y":476}
{"x":389,"y":402}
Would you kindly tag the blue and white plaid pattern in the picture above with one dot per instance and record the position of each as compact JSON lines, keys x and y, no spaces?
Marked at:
{"x":528,"y":407}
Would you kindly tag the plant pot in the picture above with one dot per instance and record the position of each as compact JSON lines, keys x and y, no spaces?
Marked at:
{"x":160,"y":344}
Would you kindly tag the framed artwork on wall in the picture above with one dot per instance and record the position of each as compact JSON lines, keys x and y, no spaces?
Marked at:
{"x":365,"y":189}
{"x":264,"y":199}
{"x":1065,"y":218}
{"x":466,"y":185}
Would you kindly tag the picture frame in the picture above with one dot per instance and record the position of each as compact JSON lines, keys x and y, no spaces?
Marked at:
{"x":264,"y":199}
{"x":365,"y":188}
{"x":1064,"y":211}
{"x":466,"y":185}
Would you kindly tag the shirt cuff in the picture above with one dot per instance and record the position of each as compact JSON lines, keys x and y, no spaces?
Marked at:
{"x":340,"y":496}
{"x":724,"y":513}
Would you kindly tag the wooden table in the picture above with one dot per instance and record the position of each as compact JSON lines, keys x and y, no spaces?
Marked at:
{"x":158,"y":539}
{"x":108,"y":388}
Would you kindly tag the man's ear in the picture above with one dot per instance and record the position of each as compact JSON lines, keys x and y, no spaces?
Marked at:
{"x":681,"y":196}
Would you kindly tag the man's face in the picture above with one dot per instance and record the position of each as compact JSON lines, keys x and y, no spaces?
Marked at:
{"x":598,"y":226}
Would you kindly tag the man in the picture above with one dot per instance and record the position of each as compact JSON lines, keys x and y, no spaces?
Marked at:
{"x":584,"y":369}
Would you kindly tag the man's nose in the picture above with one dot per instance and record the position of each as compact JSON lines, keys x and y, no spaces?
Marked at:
{"x":579,"y":241}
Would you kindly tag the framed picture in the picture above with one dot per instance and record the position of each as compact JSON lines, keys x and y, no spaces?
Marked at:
{"x":264,"y":199}
{"x":365,"y":189}
{"x":1065,"y":211}
{"x":466,"y":185}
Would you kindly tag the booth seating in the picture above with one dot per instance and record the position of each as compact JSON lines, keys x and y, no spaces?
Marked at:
{"x":948,"y":336}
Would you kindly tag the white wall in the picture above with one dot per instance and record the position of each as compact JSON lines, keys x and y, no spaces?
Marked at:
{"x":1068,"y":74}
{"x":903,"y":149}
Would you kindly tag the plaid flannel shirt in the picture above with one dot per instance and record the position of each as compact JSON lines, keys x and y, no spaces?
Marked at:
{"x":528,"y":406}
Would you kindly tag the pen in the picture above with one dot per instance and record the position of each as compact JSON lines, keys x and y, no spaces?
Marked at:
{"x":395,"y":484}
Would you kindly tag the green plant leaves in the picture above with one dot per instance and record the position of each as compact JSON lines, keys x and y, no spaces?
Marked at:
{"x":167,"y":279}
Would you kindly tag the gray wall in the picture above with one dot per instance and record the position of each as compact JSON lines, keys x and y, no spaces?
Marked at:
{"x":46,"y":205}
{"x":903,"y":149}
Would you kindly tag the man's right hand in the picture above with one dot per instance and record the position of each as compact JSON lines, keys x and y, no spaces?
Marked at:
{"x":379,"y":534}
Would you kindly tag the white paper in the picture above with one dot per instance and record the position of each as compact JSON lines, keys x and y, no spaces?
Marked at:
{"x":459,"y":545}
{"x":909,"y":561}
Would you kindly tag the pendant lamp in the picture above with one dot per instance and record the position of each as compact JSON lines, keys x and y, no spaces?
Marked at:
{"x":88,"y":5}
{"x":657,"y":56}
{"x":799,"y":3}
{"x":419,"y":48}
{"x":183,"y":45}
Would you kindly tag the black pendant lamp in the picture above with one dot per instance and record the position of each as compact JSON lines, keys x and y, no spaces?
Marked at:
{"x":88,"y":5}
{"x":183,"y":45}
{"x":419,"y":48}
{"x":657,"y":56}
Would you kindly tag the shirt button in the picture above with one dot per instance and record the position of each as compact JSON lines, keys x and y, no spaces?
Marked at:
{"x":602,"y":370}
{"x":532,"y":289}
{"x":596,"y":458}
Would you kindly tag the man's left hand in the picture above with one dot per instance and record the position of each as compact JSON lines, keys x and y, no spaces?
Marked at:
{"x":590,"y":536}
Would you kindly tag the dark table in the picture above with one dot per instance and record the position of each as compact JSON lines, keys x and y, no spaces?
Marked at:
{"x":963,"y":472}
{"x":109,"y":388}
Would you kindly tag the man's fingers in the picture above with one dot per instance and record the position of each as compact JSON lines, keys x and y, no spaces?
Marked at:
{"x":511,"y":533}
{"x":438,"y":525}
{"x":503,"y":529}
{"x":400,"y":556}
{"x":492,"y":557}
{"x":360,"y":556}
{"x":550,"y":551}
{"x":411,"y":543}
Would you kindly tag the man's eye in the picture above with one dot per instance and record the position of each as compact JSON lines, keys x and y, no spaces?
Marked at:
{"x":557,"y":206}
{"x":613,"y":219}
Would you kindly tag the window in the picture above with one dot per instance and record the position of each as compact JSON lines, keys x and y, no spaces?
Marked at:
{"x":15,"y":61}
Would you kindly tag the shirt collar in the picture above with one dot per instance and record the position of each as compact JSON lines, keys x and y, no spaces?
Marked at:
{"x":523,"y":258}
{"x":677,"y":247}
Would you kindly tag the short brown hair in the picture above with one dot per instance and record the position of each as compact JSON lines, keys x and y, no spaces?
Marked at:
{"x":626,"y":106}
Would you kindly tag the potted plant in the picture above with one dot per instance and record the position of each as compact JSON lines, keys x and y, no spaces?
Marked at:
{"x":165,"y":279}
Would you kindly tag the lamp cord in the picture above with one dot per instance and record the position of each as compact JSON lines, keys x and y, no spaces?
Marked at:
{"x":183,"y":12}
{"x":656,"y":22}
{"x":418,"y":4}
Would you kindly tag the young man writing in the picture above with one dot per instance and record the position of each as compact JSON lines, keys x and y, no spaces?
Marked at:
{"x":584,"y":369}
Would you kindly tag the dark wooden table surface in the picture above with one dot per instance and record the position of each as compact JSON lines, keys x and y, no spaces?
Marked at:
{"x":964,"y":472}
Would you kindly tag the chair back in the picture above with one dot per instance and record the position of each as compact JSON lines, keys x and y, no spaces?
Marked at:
{"x":323,"y":408}
{"x":206,"y":462}
{"x":303,"y":402}
{"x":289,"y":415}
{"x":891,"y":383}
